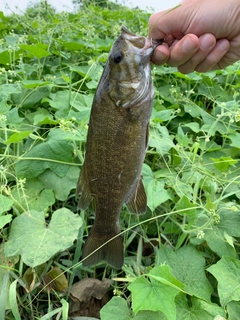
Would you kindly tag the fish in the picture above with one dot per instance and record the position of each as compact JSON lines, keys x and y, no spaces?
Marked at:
{"x":116,"y":145}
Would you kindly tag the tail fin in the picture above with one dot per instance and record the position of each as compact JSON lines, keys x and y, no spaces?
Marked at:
{"x":111,"y":252}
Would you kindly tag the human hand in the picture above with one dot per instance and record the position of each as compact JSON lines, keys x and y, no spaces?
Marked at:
{"x":199,"y":35}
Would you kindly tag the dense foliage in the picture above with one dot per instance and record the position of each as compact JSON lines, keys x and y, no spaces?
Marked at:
{"x":182,"y":256}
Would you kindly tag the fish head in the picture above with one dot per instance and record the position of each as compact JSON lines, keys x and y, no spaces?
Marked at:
{"x":129,"y":69}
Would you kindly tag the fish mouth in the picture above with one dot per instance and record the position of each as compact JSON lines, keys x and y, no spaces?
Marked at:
{"x":147,"y":45}
{"x":143,"y":49}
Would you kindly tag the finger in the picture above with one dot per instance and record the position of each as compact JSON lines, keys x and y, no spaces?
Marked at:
{"x":212,"y":59}
{"x":207,"y":43}
{"x":182,"y":50}
{"x":160,"y":55}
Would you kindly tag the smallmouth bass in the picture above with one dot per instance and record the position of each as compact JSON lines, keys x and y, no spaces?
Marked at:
{"x":116,"y":145}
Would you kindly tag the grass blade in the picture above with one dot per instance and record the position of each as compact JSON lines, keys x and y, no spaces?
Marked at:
{"x":13,"y":300}
{"x":4,"y":296}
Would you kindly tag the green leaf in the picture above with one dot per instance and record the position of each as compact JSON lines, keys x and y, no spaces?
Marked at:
{"x":59,"y":100}
{"x":41,"y":116}
{"x":5,"y":203}
{"x":56,"y":148}
{"x":37,"y":50}
{"x":188,"y":266}
{"x":150,"y":315}
{"x":218,"y":243}
{"x":227,"y":273}
{"x":18,"y":136}
{"x":160,"y":139}
{"x":199,"y":309}
{"x":60,"y":185}
{"x":36,"y":242}
{"x":215,"y":233}
{"x":155,"y":189}
{"x":223,"y":163}
{"x":156,"y":293}
{"x":33,"y":196}
{"x":194,"y":126}
{"x":28,"y":84}
{"x":186,"y":207}
{"x":235,"y":138}
{"x":5,"y":220}
{"x":182,"y":138}
{"x":233,"y":309}
{"x":117,"y":306}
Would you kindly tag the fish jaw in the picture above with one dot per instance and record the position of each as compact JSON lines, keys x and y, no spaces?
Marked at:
{"x":146,"y":45}
{"x":129,"y":69}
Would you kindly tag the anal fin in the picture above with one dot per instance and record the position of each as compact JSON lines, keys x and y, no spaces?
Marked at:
{"x":138,"y":201}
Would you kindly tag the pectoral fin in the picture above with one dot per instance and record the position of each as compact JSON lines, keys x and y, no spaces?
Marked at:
{"x":138,"y":202}
{"x":83,"y":190}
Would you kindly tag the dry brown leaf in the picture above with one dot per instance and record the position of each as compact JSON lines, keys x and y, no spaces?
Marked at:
{"x":88,"y":297}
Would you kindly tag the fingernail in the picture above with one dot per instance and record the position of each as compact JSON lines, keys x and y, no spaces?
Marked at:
{"x":207,"y":41}
{"x":188,"y":45}
{"x":223,"y":45}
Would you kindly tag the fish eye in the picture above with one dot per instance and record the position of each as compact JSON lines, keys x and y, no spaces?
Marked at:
{"x":118,"y":56}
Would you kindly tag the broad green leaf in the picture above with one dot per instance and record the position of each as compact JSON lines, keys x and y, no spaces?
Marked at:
{"x":223,"y":163}
{"x":182,"y":138}
{"x":227,"y":273}
{"x":194,"y":126}
{"x":197,"y":309}
{"x":5,"y":220}
{"x":155,"y":189}
{"x":150,"y":315}
{"x":29,"y":98}
{"x":33,"y":196}
{"x":13,"y":118}
{"x":5,"y":203}
{"x":215,"y":232}
{"x":235,"y":140}
{"x":6,"y":59}
{"x":156,"y":295}
{"x":218,"y":243}
{"x":28,"y":84}
{"x":18,"y":136}
{"x":41,"y":116}
{"x":56,"y":149}
{"x":81,"y":101}
{"x":36,"y":242}
{"x":188,"y":266}
{"x":189,"y":208}
{"x":92,"y":72}
{"x":59,"y":100}
{"x":60,"y":185}
{"x":118,"y":307}
{"x":160,"y":139}
{"x":233,"y":309}
{"x":37,"y":50}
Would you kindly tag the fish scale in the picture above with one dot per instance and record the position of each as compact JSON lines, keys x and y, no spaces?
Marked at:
{"x":116,"y":146}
